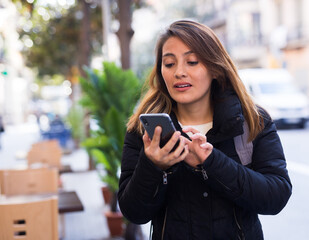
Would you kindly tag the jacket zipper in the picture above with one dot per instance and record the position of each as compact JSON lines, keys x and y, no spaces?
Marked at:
{"x":164,"y":222}
{"x":164,"y":182}
{"x":203,"y":171}
{"x":165,"y":177}
{"x":241,"y":233}
{"x":205,"y":176}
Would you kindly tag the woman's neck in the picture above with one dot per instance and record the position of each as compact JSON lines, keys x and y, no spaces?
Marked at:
{"x":193,"y":114}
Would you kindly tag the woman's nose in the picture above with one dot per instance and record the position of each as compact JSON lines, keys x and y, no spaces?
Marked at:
{"x":180,"y":71}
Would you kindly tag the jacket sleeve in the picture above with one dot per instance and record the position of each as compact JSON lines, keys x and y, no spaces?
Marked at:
{"x":141,"y":190}
{"x":266,"y":187}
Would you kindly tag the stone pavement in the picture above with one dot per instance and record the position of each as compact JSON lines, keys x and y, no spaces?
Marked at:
{"x":89,"y":224}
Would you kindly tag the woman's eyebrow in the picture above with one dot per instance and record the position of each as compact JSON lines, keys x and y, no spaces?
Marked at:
{"x":189,"y":52}
{"x":173,"y":55}
{"x":168,"y":55}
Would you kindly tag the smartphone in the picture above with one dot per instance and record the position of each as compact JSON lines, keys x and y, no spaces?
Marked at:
{"x":151,"y":120}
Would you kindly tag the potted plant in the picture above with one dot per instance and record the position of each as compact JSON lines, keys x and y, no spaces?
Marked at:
{"x":110,"y":96}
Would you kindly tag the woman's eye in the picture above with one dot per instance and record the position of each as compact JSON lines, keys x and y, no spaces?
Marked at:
{"x":193,"y":63}
{"x":169,"y":65}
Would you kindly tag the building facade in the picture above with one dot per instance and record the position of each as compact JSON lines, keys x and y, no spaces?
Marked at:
{"x":14,"y":77}
{"x":264,"y":33}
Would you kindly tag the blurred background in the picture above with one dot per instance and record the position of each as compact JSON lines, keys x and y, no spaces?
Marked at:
{"x":44,"y":44}
{"x":47,"y":46}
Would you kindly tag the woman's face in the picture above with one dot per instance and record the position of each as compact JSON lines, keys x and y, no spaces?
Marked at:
{"x":187,"y":80}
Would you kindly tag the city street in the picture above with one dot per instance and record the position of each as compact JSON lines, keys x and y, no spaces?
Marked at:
{"x":292,"y":223}
{"x":64,"y":82}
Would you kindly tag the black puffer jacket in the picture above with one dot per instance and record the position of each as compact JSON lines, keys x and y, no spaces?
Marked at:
{"x":222,"y":205}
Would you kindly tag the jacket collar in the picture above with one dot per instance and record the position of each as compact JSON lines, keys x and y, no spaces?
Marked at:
{"x":228,"y":117}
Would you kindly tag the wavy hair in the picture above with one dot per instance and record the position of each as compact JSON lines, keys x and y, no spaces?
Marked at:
{"x":208,"y":48}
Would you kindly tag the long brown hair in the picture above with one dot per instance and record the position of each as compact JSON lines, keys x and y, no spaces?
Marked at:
{"x":208,"y":48}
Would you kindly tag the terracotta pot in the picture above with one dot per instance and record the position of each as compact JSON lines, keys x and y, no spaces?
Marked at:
{"x":107,"y":194}
{"x":115,"y":223}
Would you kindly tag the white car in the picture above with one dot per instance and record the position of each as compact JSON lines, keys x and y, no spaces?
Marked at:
{"x":275,"y":90}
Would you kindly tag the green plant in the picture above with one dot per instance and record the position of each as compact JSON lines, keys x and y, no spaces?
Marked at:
{"x":110,"y":96}
{"x":75,"y":119}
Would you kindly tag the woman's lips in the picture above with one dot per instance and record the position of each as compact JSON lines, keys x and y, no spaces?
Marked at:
{"x":182,"y":86}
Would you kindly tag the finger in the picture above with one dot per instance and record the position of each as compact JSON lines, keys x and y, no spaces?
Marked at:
{"x":185,"y":152}
{"x":182,"y":156}
{"x":146,"y":139}
{"x":157,"y":135}
{"x":187,"y":141}
{"x":146,"y":135}
{"x":171,"y":143}
{"x":190,"y":129}
{"x":206,"y":146}
{"x":181,"y":146}
{"x":198,"y":136}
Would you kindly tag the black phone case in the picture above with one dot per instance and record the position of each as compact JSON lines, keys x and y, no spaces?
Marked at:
{"x":151,"y":120}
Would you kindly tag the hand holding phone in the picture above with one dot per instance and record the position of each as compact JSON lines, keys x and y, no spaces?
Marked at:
{"x":163,"y":159}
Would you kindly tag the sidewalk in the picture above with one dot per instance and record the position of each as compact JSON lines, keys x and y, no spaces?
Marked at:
{"x":89,"y":224}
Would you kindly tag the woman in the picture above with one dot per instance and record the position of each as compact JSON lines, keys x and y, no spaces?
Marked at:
{"x":206,"y":193}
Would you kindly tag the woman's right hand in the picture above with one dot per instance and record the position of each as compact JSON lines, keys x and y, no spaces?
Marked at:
{"x":163,"y":157}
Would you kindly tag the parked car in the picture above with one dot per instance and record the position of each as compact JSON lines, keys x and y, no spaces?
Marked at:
{"x":275,"y":90}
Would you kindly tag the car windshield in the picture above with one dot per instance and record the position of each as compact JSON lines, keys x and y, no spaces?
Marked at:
{"x":277,"y":88}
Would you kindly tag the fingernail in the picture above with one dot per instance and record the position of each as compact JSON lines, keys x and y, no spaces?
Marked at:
{"x":204,"y":145}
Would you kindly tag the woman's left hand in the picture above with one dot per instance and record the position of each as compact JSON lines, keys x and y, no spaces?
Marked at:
{"x":199,"y":148}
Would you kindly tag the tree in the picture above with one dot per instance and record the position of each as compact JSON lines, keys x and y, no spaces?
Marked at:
{"x":125,"y":32}
{"x":59,"y":43}
{"x":67,"y":36}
